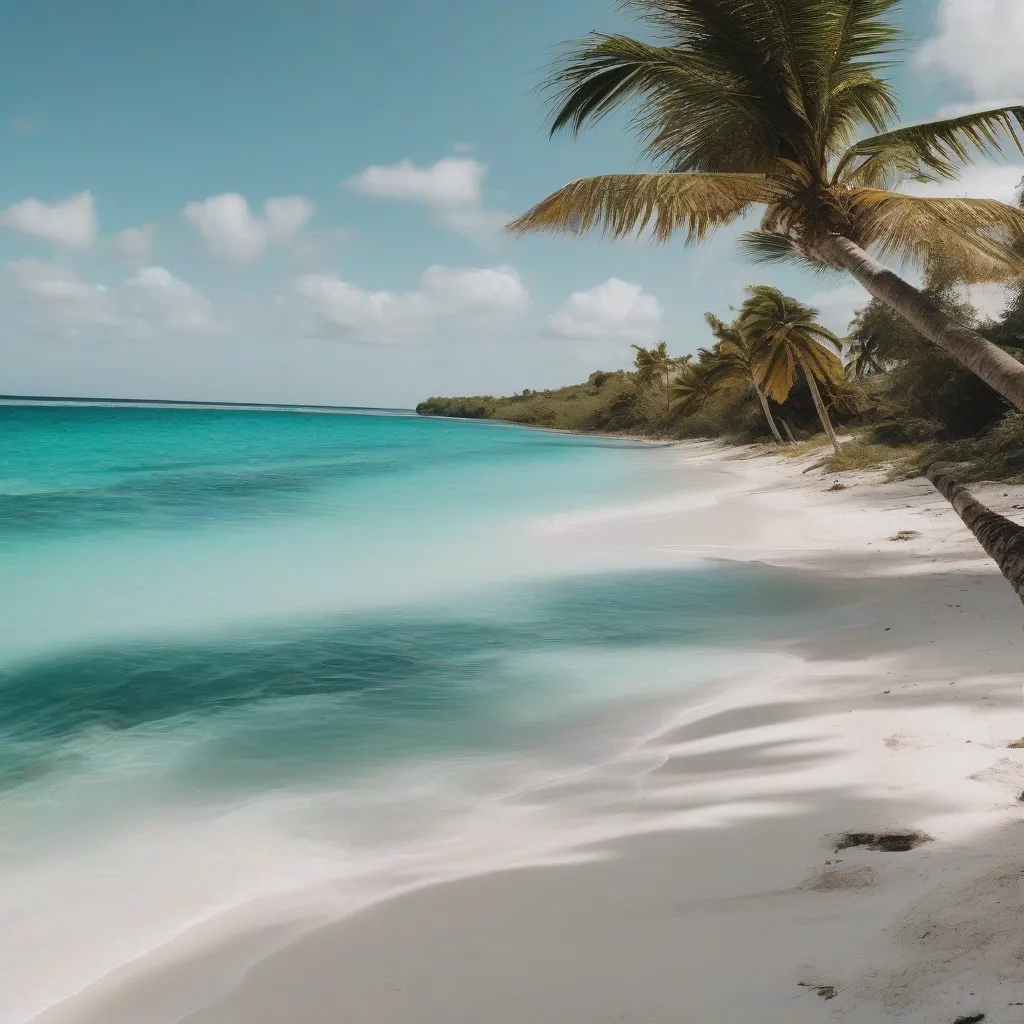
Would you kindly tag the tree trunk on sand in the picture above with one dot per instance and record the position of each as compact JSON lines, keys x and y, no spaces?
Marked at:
{"x":820,"y":406}
{"x":1002,"y":539}
{"x":768,"y":414}
{"x":789,"y":430}
{"x":995,"y":367}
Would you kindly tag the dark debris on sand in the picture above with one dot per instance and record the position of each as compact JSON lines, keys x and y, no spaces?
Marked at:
{"x":882,"y":842}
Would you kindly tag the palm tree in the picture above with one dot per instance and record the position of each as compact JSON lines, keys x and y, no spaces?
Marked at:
{"x":654,"y":364}
{"x":1001,"y":538}
{"x":738,"y":361}
{"x":758,"y":103}
{"x":785,"y":337}
{"x":696,"y":383}
{"x":862,"y":357}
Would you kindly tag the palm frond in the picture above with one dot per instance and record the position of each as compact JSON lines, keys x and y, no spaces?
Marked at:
{"x":848,"y":90}
{"x":627,"y":204}
{"x":785,"y":335}
{"x":694,"y":385}
{"x":723,"y":91}
{"x":936,"y":149}
{"x":603,"y":72}
{"x":776,"y":247}
{"x":978,"y":240}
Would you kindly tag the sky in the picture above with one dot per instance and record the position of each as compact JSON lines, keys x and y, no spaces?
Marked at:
{"x":301,"y":202}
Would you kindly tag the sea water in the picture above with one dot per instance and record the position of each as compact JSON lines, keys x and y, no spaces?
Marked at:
{"x":252,"y":653}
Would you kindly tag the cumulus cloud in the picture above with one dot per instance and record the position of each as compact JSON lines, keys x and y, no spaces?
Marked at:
{"x":68,"y":303}
{"x":152,"y":300}
{"x":453,"y":181}
{"x":984,"y":181}
{"x":332,"y":307}
{"x":160,"y":299}
{"x":70,"y":222}
{"x":134,"y":245}
{"x":452,"y":188}
{"x":475,"y":289}
{"x":613,"y":311}
{"x":233,"y":232}
{"x":978,"y":43}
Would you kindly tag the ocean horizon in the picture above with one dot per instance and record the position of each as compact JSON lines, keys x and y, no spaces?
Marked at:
{"x":248,"y":657}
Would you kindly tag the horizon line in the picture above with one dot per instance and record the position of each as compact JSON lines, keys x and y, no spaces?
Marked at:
{"x":189,"y":403}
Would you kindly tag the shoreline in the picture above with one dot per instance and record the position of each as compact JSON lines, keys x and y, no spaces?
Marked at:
{"x":704,"y":884}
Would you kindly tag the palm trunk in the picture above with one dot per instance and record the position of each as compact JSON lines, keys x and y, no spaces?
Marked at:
{"x":820,"y":406}
{"x":768,"y":414}
{"x":789,"y":430}
{"x":995,"y":367}
{"x":1001,"y":538}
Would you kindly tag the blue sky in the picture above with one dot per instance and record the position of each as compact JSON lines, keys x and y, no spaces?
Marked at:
{"x":138,"y":257}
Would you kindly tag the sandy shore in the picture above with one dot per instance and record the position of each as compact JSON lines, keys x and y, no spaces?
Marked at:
{"x":710,"y":889}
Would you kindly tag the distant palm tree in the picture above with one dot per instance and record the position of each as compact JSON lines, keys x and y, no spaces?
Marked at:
{"x":655,"y":364}
{"x":737,"y":364}
{"x":863,"y":357}
{"x":786,"y":337}
{"x":758,"y":103}
{"x":695,"y":383}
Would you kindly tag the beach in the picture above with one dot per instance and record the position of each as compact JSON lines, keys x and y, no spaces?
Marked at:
{"x":700,"y":879}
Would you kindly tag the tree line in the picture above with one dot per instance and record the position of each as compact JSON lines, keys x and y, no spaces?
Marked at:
{"x":784,"y":106}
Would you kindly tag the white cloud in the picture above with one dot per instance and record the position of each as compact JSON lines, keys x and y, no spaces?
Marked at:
{"x":979,"y":43}
{"x":985,"y":181}
{"x":70,"y":304}
{"x":70,"y":223}
{"x":233,"y":232}
{"x":340,"y":309}
{"x":613,"y":311}
{"x":452,"y":188}
{"x":453,"y":181}
{"x":162,"y":300}
{"x":286,"y":216}
{"x":151,"y":300}
{"x":473,"y":290}
{"x":134,"y":245}
{"x":336,"y":308}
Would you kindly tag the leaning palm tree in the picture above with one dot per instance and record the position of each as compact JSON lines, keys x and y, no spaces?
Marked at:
{"x":738,"y":364}
{"x":654,"y":364}
{"x":762,"y":103}
{"x":786,"y":337}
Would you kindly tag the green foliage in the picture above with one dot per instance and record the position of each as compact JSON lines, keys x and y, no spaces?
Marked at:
{"x":918,"y":408}
{"x":608,"y":401}
{"x":926,"y":396}
{"x":464,"y":408}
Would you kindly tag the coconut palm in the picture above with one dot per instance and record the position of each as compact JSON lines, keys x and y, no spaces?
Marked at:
{"x":786,"y":337}
{"x":862,"y":357}
{"x":654,"y":364}
{"x":738,"y":360}
{"x":696,"y":382}
{"x":760,"y":103}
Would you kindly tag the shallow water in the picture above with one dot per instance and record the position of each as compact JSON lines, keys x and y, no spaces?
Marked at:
{"x":248,"y":652}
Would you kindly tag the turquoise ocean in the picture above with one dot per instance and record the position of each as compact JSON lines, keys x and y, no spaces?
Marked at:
{"x":247,"y":655}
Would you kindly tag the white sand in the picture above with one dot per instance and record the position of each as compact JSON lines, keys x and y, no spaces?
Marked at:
{"x":702,"y":885}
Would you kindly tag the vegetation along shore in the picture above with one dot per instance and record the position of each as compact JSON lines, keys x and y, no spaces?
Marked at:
{"x":784,"y":108}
